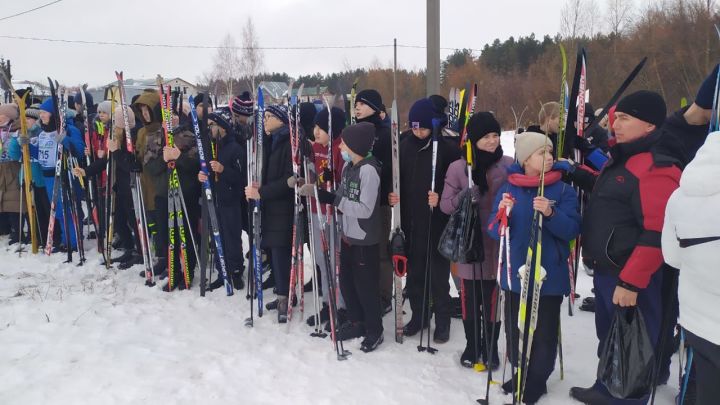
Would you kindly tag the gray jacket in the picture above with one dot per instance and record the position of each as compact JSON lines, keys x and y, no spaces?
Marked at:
{"x":358,"y":199}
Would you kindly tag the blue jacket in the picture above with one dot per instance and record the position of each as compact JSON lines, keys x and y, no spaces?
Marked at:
{"x":558,"y":230}
{"x":73,"y":142}
{"x":15,"y":153}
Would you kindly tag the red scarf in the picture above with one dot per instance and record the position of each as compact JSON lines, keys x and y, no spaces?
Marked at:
{"x":523,"y":180}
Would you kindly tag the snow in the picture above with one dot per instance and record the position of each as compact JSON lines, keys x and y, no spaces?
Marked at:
{"x":86,"y":335}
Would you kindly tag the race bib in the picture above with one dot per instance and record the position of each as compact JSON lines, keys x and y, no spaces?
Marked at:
{"x":47,"y":150}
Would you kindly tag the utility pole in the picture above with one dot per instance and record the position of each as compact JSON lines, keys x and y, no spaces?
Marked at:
{"x":433,"y":47}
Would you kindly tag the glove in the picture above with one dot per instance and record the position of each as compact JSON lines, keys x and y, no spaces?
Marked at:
{"x":706,"y":93}
{"x":292,"y":181}
{"x":597,"y":159}
{"x":326,"y":197}
{"x":306,"y":190}
{"x":567,"y":166}
{"x":23,"y":140}
{"x":475,"y":194}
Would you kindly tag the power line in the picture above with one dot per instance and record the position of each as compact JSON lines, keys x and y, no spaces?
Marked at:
{"x":31,"y":10}
{"x":191,"y":46}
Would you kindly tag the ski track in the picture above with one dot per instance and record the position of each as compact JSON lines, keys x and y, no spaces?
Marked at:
{"x":86,"y":335}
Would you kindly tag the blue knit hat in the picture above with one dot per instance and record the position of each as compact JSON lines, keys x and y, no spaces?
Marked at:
{"x":422,"y":113}
{"x":48,"y":105}
{"x":279,"y":111}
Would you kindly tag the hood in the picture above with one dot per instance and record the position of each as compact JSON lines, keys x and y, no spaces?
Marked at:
{"x":700,"y":177}
{"x":150,"y":98}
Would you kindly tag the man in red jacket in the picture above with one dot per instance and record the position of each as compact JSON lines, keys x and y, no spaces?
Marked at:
{"x":623,"y":222}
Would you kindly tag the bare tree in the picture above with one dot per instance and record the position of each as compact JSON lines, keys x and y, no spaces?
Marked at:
{"x":251,"y":63}
{"x":579,"y":18}
{"x":619,"y":16}
{"x":226,"y":65}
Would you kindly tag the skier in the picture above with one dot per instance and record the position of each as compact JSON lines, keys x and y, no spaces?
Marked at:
{"x":227,"y":182}
{"x":561,"y":223}
{"x":277,"y":203}
{"x":370,"y":108}
{"x":690,"y":242}
{"x":10,"y":171}
{"x":489,"y":172}
{"x":47,"y":154}
{"x":358,"y":199}
{"x":416,"y":208}
{"x":321,"y":155}
{"x":623,"y":220}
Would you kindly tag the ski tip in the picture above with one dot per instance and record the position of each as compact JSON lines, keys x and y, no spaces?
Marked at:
{"x":249,"y":322}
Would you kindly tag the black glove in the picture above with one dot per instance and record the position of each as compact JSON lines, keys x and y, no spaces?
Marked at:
{"x":326,"y":197}
{"x":326,"y":176}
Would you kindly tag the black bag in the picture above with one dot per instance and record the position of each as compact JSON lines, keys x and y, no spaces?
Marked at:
{"x":461,"y":240}
{"x":627,"y":357}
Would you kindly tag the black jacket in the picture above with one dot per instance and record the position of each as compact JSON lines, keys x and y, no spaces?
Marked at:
{"x":277,"y":199}
{"x":382,"y":150}
{"x":415,"y":179}
{"x":229,"y":187}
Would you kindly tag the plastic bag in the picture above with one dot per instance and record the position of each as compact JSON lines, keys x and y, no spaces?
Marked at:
{"x":461,"y":240}
{"x":627,"y":357}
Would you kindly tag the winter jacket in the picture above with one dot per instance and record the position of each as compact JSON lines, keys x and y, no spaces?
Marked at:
{"x":229,"y":187}
{"x":557,"y":231}
{"x":320,"y":160}
{"x":358,"y":199}
{"x":415,"y":181}
{"x":148,"y":148}
{"x":382,"y":150}
{"x":456,"y":182}
{"x":276,"y":198}
{"x":9,"y":172}
{"x":691,"y":137}
{"x":47,"y":147}
{"x":691,"y":242}
{"x":15,"y":152}
{"x":624,"y":214}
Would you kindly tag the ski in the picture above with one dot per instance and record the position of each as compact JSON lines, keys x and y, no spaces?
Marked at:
{"x":397,"y":237}
{"x":209,"y":202}
{"x":256,"y":169}
{"x":58,"y":169}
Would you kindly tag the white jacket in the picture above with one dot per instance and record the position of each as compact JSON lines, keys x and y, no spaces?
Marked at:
{"x":693,"y":212}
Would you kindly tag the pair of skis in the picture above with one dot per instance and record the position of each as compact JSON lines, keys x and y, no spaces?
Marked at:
{"x":297,"y":268}
{"x":91,"y":191}
{"x":255,"y":172}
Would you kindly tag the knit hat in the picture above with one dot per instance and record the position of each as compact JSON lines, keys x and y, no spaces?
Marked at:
{"x":359,"y":137}
{"x":200,"y":98}
{"x":221,"y":116}
{"x":338,"y":121}
{"x":706,"y":92}
{"x":105,"y":106}
{"x":644,"y":105}
{"x":88,"y":99}
{"x":481,"y":124}
{"x":528,"y":143}
{"x":439,"y":102}
{"x":33,"y":113}
{"x":307,"y":114}
{"x":422,"y":113}
{"x":10,"y":110}
{"x":371,"y":98}
{"x":48,"y":105}
{"x":242,"y":104}
{"x":279,"y":111}
{"x":120,"y":122}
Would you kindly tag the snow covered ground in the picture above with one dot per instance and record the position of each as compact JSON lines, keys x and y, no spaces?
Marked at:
{"x":86,"y":335}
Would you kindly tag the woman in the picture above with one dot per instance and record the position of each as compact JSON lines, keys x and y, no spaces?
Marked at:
{"x":489,"y":172}
{"x":560,"y":224}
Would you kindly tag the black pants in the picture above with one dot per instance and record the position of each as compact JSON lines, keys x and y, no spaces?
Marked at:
{"x":42,"y":208}
{"x":359,"y":281}
{"x":439,"y":293}
{"x":231,"y":221}
{"x":544,"y":346}
{"x":124,"y":220}
{"x":707,"y":369}
{"x":280,"y":258}
{"x":479,"y":303}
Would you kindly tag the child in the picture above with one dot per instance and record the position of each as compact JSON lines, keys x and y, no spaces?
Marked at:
{"x":358,"y":199}
{"x":561,"y":224}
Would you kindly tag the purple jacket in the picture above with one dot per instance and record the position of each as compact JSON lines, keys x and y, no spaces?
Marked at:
{"x":456,"y":181}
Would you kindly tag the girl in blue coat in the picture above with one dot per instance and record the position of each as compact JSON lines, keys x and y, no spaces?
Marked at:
{"x":561,"y":224}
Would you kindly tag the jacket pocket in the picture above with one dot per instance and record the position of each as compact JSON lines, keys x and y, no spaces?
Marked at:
{"x":620,"y":244}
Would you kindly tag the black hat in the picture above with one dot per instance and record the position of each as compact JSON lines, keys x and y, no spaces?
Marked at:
{"x":221,"y":116}
{"x":480,"y":124}
{"x":422,"y":113}
{"x":359,"y":137}
{"x":644,"y":105}
{"x":371,"y":98}
{"x":243,"y":104}
{"x":439,"y":102}
{"x":338,"y":120}
{"x":200,"y":98}
{"x":307,"y":114}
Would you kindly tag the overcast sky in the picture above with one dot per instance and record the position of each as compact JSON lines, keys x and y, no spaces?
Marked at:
{"x":463,"y":24}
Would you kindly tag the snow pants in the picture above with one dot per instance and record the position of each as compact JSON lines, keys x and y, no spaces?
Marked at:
{"x":707,"y":369}
{"x":359,"y":273}
{"x":231,"y":219}
{"x":280,"y":258}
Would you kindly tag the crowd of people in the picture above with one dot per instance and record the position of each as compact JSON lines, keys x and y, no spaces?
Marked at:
{"x":642,"y":205}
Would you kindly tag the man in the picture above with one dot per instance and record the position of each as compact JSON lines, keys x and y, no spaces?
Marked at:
{"x":623,"y":222}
